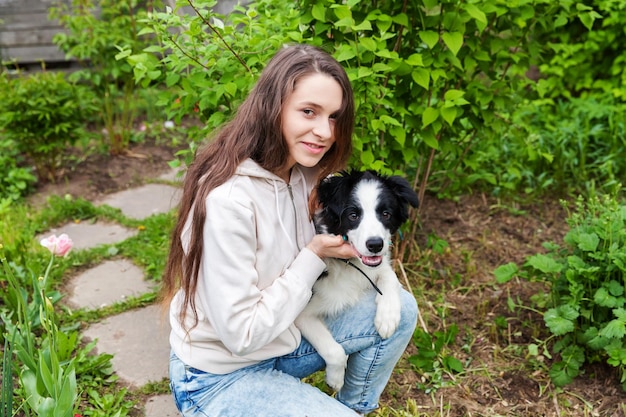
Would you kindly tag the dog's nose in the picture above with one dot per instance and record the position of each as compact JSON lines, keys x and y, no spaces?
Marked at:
{"x":374,"y":244}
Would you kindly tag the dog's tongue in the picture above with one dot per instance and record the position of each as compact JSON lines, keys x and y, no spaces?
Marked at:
{"x":371,"y":260}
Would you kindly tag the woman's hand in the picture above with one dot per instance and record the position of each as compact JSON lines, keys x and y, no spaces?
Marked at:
{"x":331,"y":246}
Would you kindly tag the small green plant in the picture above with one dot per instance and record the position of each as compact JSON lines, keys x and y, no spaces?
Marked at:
{"x":16,"y":180}
{"x":43,"y":115}
{"x":46,"y":373}
{"x":108,"y":404}
{"x":6,"y":395}
{"x":587,"y":310}
{"x":433,"y":360}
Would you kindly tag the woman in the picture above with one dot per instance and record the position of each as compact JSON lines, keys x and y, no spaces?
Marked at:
{"x":244,"y":256}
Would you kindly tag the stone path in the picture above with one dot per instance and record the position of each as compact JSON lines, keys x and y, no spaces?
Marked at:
{"x":138,"y":339}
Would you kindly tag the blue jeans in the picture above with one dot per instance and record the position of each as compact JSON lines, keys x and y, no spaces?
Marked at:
{"x":273,"y":387}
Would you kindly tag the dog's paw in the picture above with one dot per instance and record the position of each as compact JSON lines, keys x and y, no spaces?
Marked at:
{"x":387,"y":318}
{"x":335,"y":376}
{"x":336,"y":365}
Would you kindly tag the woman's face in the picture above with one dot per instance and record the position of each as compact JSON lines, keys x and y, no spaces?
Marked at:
{"x":308,"y":120}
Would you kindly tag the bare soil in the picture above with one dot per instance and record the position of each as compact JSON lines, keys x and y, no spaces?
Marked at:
{"x":455,"y":286}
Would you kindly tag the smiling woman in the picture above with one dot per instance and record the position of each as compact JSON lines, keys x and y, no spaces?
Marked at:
{"x":308,"y":120}
{"x":244,"y":255}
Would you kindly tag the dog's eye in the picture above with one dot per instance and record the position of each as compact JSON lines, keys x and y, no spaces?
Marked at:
{"x":386,"y":214}
{"x":353,"y":216}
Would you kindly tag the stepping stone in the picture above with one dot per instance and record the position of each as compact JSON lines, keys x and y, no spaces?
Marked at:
{"x":141,"y":202}
{"x":161,"y":406}
{"x":139,"y":341}
{"x":86,"y":235}
{"x":109,"y":282}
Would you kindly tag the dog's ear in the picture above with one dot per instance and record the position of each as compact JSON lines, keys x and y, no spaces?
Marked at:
{"x":403,"y":190}
{"x":331,"y":188}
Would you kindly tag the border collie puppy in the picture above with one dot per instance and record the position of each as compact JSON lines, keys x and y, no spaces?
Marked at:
{"x":366,"y":208}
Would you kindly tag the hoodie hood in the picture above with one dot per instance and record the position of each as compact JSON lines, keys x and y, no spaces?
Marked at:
{"x":302,"y":180}
{"x":250,"y":168}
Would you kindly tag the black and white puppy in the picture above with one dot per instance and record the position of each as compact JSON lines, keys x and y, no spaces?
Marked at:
{"x":365,"y":208}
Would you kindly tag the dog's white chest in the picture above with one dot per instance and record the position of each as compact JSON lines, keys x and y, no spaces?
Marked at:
{"x":342,"y":287}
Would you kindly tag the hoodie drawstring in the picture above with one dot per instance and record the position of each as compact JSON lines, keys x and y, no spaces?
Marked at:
{"x":280,"y":217}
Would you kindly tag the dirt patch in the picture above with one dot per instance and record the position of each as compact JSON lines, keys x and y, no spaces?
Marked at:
{"x":101,"y":174}
{"x":453,"y":286}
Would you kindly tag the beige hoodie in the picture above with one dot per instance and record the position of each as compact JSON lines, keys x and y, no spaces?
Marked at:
{"x":256,"y":274}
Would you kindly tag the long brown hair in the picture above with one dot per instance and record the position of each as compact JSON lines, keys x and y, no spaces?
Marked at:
{"x":254,"y":132}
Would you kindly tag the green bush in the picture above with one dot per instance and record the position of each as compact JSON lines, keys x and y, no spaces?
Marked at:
{"x":210,"y":61}
{"x":433,"y":79}
{"x":43,"y":115}
{"x":552,"y":147}
{"x":96,"y":31}
{"x":584,"y":55}
{"x":586,"y":310}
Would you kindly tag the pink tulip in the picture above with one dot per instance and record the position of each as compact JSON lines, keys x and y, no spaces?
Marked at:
{"x":59,"y":246}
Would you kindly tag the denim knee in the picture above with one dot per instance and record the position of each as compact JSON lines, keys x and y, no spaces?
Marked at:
{"x":408,"y":313}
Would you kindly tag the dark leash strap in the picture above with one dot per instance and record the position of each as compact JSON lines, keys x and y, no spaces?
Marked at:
{"x":365,"y":275}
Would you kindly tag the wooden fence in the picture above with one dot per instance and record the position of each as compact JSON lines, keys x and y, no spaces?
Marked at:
{"x":26,"y":33}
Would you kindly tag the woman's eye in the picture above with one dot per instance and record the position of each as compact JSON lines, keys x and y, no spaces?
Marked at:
{"x":308,"y":112}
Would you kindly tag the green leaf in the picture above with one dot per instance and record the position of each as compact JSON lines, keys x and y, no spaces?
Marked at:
{"x":604,"y":299}
{"x":452,"y":364}
{"x":46,"y":408}
{"x":344,"y":23}
{"x":559,"y":374}
{"x":588,"y":242}
{"x":401,"y":19}
{"x":388,"y":120}
{"x":68,"y":393}
{"x":421,"y":76}
{"x":364,"y":25}
{"x":231,"y":88}
{"x":429,"y":37}
{"x":345,"y":53}
{"x":587,"y":19}
{"x":29,"y":382}
{"x":564,"y":372}
{"x":448,"y":114}
{"x":476,"y":13}
{"x":45,"y":375}
{"x":319,"y":12}
{"x":364,"y":72}
{"x":383,"y":22}
{"x":429,"y":116}
{"x":368,"y":43}
{"x":504,"y":273}
{"x":367,"y":157}
{"x":560,"y":320}
{"x":342,"y":12}
{"x":544,"y":263}
{"x":453,"y":94}
{"x":123,"y":54}
{"x":415,"y":60}
{"x":429,"y":139}
{"x":615,"y":329}
{"x":453,"y":40}
{"x":399,"y":134}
